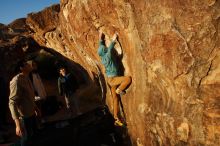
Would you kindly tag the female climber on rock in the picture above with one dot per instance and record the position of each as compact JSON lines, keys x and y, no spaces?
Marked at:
{"x":117,"y":83}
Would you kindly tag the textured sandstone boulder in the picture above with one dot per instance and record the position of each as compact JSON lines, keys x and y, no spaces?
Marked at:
{"x":15,"y":42}
{"x":171,"y":50}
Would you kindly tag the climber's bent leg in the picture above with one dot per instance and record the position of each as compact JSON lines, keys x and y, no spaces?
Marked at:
{"x":121,"y":81}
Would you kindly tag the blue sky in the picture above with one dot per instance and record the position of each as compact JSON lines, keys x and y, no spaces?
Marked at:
{"x":13,"y":9}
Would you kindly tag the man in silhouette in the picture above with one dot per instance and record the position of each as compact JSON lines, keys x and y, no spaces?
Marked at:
{"x":22,"y":105}
{"x":117,"y":83}
{"x":67,"y":85}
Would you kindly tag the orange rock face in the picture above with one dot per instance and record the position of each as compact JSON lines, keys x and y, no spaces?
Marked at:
{"x":171,"y":50}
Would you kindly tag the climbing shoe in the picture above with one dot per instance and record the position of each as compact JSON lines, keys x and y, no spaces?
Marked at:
{"x":119,"y":123}
{"x":120,"y":92}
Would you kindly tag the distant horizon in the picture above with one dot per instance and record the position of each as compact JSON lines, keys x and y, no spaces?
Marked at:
{"x":9,"y":11}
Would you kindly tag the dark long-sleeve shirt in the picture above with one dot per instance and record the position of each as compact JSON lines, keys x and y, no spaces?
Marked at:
{"x":67,"y":85}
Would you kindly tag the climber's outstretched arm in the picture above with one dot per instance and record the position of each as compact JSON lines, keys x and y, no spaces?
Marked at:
{"x":101,"y":36}
{"x":114,"y":38}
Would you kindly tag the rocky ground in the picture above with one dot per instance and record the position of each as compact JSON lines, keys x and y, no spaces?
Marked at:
{"x":95,"y":127}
